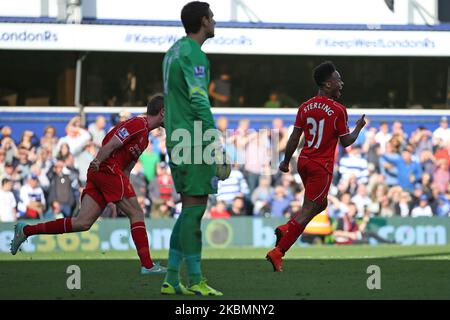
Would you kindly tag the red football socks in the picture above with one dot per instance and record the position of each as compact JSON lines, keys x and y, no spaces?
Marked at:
{"x":139,"y":234}
{"x":294,"y":231}
{"x":51,"y":227}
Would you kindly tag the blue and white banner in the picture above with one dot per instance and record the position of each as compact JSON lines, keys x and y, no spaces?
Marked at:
{"x":15,"y":36}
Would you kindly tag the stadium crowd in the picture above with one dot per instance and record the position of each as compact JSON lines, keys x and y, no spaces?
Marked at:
{"x":385,"y":173}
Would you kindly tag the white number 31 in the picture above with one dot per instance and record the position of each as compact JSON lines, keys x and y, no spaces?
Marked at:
{"x":313,"y":132}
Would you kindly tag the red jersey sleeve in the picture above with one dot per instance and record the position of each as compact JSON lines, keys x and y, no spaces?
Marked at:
{"x":341,"y":122}
{"x":299,"y":119}
{"x":129,"y":129}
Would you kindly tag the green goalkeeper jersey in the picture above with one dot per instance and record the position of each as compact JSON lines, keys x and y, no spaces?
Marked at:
{"x":186,"y":101}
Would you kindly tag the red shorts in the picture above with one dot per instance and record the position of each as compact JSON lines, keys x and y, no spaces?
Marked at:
{"x":108,"y":185}
{"x":316,"y":179}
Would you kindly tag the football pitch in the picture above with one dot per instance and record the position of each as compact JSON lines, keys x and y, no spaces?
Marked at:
{"x":314,"y":272}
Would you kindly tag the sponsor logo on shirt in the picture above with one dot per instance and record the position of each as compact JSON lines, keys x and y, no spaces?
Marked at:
{"x":123,"y":133}
{"x":199,"y":71}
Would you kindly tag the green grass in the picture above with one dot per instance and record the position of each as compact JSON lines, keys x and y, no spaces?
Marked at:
{"x":316,"y":272}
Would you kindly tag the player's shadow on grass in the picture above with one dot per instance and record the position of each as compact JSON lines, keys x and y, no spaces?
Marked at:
{"x":239,"y":279}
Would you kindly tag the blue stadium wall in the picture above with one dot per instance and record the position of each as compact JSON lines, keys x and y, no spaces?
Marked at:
{"x":36,"y":119}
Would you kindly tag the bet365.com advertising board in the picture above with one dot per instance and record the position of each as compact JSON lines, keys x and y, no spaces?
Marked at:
{"x":236,"y":232}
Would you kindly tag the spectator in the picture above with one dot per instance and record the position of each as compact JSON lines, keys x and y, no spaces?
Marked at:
{"x":219,"y":211}
{"x":293,"y":209}
{"x":397,"y":129}
{"x":145,"y":205}
{"x":361,"y":200}
{"x":5,"y":132}
{"x":49,"y":139}
{"x":426,"y":184}
{"x":138,"y":180}
{"x":73,"y":173}
{"x":162,"y":188}
{"x":54,"y":212}
{"x":279,"y":137}
{"x":162,"y":211}
{"x":280,"y":202}
{"x":354,"y":164}
{"x":416,"y":195}
{"x":23,"y":165}
{"x":383,"y":136}
{"x":443,"y":153}
{"x":97,"y":130}
{"x":7,"y":202}
{"x":76,"y":137}
{"x":239,"y":140}
{"x":371,"y":149}
{"x":379,"y":191}
{"x":388,"y":169}
{"x":422,"y":140}
{"x":237,"y":208}
{"x":423,"y":209}
{"x":434,"y":197}
{"x":427,"y":160}
{"x":149,"y":160}
{"x":220,"y":90}
{"x":348,"y":231}
{"x":29,"y":140}
{"x":10,"y":148}
{"x":256,"y":157}
{"x":441,"y":136}
{"x":129,"y":87}
{"x":124,"y":115}
{"x":42,"y":175}
{"x":443,"y":207}
{"x":84,"y":159}
{"x":274,"y":101}
{"x":11,"y":174}
{"x":234,"y":186}
{"x":262,"y":196}
{"x":386,"y":207}
{"x":404,"y":206}
{"x":60,"y":189}
{"x":63,"y":151}
{"x":226,"y":139}
{"x":408,"y":170}
{"x":441,"y":175}
{"x":286,"y":180}
{"x":44,"y":160}
{"x":31,"y":200}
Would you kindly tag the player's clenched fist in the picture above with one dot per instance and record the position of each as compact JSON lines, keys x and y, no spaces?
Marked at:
{"x":284,"y":167}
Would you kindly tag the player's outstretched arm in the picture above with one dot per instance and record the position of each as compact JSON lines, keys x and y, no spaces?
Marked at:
{"x":104,"y":152}
{"x":351,"y":137}
{"x":291,"y":146}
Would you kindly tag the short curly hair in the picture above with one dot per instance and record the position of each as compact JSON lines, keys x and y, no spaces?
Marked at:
{"x":323,"y":72}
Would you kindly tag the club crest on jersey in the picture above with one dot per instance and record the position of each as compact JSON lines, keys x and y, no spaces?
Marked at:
{"x":123,"y":133}
{"x":199,"y":71}
{"x":214,"y":182}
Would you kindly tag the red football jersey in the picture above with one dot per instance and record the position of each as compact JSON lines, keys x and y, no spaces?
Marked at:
{"x":133,"y":133}
{"x":323,"y":121}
